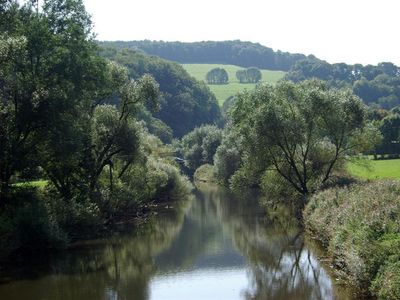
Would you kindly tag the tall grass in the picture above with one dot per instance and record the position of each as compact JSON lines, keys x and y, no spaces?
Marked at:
{"x":360,"y":227}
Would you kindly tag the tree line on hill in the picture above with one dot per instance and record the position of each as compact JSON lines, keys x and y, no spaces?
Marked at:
{"x":244,"y":54}
{"x":378,"y":86}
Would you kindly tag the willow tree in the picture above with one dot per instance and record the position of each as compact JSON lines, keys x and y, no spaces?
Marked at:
{"x":301,"y":132}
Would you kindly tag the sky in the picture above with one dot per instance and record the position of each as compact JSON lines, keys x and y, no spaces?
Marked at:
{"x":350,"y":31}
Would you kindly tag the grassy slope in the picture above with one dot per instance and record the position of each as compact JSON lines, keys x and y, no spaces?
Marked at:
{"x":375,"y":169}
{"x":224,"y":91}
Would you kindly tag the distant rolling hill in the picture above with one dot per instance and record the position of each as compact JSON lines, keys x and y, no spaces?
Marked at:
{"x":224,"y":91}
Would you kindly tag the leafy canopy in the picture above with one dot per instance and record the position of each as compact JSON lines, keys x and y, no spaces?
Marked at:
{"x":301,"y":132}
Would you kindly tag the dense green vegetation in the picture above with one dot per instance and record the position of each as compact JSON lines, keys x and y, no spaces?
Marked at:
{"x":244,"y":54}
{"x":217,"y":76}
{"x":82,"y":133}
{"x":185,"y":103}
{"x":223,"y":92}
{"x":295,"y":135}
{"x":250,"y":75}
{"x":360,"y":228}
{"x":92,"y":161}
{"x":199,"y":146}
{"x":376,"y":85}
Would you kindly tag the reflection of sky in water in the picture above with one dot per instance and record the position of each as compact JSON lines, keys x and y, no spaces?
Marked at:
{"x":200,"y":284}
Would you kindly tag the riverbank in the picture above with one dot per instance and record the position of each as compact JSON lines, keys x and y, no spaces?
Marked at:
{"x":36,"y":219}
{"x":359,"y":226}
{"x":218,"y":245}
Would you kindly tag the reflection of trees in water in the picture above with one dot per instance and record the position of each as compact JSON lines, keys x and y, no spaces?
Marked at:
{"x":281,"y":267}
{"x":112,"y":269}
{"x":199,"y":232}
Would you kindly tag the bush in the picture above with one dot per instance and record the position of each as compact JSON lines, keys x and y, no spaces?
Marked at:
{"x":228,"y":157}
{"x":359,"y":226}
{"x":29,"y":224}
{"x":198,"y":147}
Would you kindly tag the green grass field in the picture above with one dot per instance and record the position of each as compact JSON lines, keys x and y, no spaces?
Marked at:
{"x":224,"y":91}
{"x":375,"y":169}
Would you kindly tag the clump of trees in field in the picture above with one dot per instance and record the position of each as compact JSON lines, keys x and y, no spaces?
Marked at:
{"x":250,"y":75}
{"x":217,"y":76}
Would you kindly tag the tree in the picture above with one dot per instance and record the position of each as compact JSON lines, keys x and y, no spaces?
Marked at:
{"x":198,"y":147}
{"x":390,"y":129}
{"x":302,"y":132}
{"x":253,"y":75}
{"x":185,"y":102}
{"x":217,"y":76}
{"x":114,"y":133}
{"x":250,"y":75}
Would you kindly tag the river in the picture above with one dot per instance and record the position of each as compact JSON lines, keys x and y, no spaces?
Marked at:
{"x":213,"y":246}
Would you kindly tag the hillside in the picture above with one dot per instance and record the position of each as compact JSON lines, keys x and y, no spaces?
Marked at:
{"x":377,"y":86}
{"x":186,"y":103}
{"x":244,"y":54}
{"x":224,"y":91}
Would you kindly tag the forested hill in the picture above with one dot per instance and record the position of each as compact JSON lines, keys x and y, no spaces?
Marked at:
{"x":378,"y":85}
{"x":244,"y":54}
{"x":186,"y":103}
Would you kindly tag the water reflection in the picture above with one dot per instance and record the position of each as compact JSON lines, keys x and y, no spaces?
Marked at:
{"x":214,"y":246}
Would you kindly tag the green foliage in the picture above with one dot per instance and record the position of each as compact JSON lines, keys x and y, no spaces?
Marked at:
{"x":92,"y":155}
{"x":185,"y":103}
{"x":204,"y":173}
{"x":227,"y":159}
{"x":376,"y":85}
{"x":390,"y":129}
{"x":199,"y":146}
{"x":250,"y":75}
{"x":359,"y":226}
{"x":302,"y":132}
{"x":217,"y":76}
{"x":28,"y":223}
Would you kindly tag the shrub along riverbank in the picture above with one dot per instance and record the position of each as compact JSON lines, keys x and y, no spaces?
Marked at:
{"x":360,"y":227}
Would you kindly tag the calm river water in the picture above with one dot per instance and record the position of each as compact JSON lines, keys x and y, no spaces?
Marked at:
{"x":213,"y":246}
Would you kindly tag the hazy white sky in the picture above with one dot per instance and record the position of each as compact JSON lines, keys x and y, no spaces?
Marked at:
{"x":351,"y":31}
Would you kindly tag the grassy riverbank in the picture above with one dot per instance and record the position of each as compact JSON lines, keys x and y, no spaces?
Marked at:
{"x":360,"y":228}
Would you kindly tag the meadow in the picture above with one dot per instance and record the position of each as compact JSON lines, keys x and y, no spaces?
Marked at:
{"x":224,"y":91}
{"x":375,"y":169}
